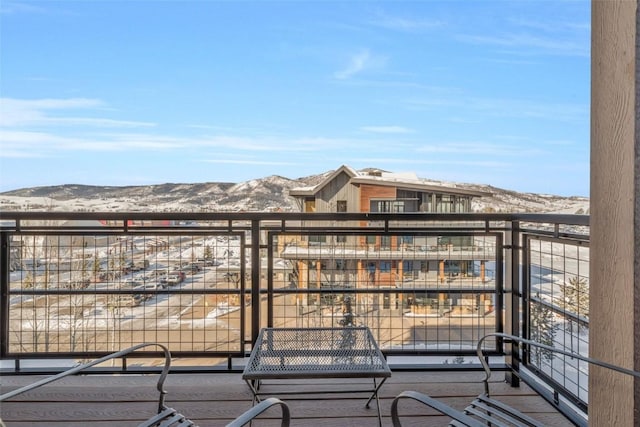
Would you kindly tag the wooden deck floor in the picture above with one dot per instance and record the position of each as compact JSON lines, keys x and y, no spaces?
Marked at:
{"x":215,"y":399}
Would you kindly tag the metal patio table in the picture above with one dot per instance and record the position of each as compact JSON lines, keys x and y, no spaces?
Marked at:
{"x":308,"y":353}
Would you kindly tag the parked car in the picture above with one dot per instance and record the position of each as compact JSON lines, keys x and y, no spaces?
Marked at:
{"x":208,"y":262}
{"x":193,"y":268}
{"x":140,"y":298}
{"x":174,"y":278}
{"x":76,"y":284}
{"x":132,"y":283}
{"x":110,"y":275}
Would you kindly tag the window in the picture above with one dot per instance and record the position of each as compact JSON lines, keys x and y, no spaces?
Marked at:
{"x":317,"y":239}
{"x":463,"y":204}
{"x":444,"y":203}
{"x":456,"y":241}
{"x":385,"y":242}
{"x":427,"y":202}
{"x":371,"y":240}
{"x":409,"y":199}
{"x":452,"y":268}
{"x":394,"y":206}
{"x":424,"y":266}
{"x":341,"y":206}
{"x":385,"y":266}
{"x":310,"y":204}
{"x":406,"y":194}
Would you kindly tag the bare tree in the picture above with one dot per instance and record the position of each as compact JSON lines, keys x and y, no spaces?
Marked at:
{"x":77,"y":322}
{"x":39,"y":251}
{"x":96,"y":269}
{"x":112,"y":304}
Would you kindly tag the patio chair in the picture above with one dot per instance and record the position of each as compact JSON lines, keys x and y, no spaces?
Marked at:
{"x":166,"y":416}
{"x":484,"y":410}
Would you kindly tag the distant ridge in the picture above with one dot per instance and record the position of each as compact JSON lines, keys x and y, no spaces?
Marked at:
{"x":265,"y":194}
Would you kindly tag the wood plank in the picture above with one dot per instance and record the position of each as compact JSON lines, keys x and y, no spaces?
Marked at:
{"x":215,"y":399}
{"x":201,"y":409}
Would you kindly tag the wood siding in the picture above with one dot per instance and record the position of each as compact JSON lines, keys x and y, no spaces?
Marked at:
{"x":368,"y":192}
{"x":338,"y":189}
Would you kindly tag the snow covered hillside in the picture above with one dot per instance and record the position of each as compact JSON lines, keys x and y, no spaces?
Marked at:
{"x":266,"y":194}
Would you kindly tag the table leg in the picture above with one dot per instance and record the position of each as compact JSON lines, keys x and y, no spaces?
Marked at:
{"x":376,"y":387}
{"x":254,"y":386}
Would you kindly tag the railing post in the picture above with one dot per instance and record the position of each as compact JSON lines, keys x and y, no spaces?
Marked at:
{"x":255,"y":280}
{"x":270,"y":280}
{"x":512,"y":300}
{"x":4,"y":293}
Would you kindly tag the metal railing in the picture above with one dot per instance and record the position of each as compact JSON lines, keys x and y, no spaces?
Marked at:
{"x":82,"y":285}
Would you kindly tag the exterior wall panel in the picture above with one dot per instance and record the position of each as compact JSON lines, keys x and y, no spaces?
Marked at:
{"x":368,"y":192}
{"x":615,"y":213}
{"x":338,"y":189}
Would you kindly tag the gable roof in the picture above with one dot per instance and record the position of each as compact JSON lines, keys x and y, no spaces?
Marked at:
{"x":407,"y":180}
{"x":310,"y":191}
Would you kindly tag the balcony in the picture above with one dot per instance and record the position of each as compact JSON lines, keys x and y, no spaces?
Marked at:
{"x":77,"y":286}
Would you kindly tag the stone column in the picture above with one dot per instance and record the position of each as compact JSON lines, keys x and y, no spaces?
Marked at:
{"x":614,"y":399}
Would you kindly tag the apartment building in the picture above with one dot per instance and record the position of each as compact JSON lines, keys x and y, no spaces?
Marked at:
{"x":387,"y":260}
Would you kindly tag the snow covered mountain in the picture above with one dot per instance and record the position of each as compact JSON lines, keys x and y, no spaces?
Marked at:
{"x":265,"y":194}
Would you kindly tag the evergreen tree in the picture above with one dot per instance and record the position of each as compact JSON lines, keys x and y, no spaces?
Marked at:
{"x":543,"y":329}
{"x":208,"y":253}
{"x":575,"y":293}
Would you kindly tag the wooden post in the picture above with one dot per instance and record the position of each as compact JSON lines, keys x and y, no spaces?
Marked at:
{"x":303,"y":282}
{"x":318,"y":273}
{"x":614,"y":288}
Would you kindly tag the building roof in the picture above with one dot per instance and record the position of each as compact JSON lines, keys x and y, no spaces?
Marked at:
{"x":405,"y":180}
{"x":92,"y":223}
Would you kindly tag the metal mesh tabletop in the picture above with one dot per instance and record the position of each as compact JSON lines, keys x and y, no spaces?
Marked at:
{"x":316,"y":352}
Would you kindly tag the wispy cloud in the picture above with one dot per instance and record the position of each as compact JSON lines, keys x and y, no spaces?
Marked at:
{"x":37,"y":112}
{"x":250,"y":162}
{"x":403,"y":24}
{"x":479,"y":148}
{"x":16,"y":144}
{"x":527,"y":44}
{"x":11,"y":7}
{"x":49,"y":103}
{"x":524,"y":36}
{"x":358,"y":63}
{"x":438,"y":162}
{"x":387,"y":129}
{"x":401,"y":85}
{"x":554,"y":26}
{"x":505,"y":107}
{"x":51,"y":127}
{"x":271,"y":143}
{"x":28,"y":143}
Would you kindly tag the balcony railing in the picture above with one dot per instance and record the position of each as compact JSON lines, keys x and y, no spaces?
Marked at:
{"x":81,"y":285}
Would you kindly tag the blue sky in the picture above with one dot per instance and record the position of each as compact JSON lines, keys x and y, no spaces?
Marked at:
{"x":148,"y":92}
